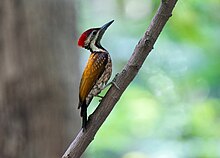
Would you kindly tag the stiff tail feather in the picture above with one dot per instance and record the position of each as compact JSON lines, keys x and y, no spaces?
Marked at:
{"x":83,"y":114}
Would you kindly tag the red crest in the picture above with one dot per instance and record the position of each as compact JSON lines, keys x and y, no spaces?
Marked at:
{"x":83,"y":37}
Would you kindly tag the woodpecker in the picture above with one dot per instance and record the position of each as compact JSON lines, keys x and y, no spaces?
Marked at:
{"x":97,"y":71}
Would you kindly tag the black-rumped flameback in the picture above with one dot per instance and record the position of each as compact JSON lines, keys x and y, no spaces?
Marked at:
{"x":97,"y":71}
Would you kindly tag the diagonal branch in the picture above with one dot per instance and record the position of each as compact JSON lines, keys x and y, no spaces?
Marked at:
{"x":142,"y":49}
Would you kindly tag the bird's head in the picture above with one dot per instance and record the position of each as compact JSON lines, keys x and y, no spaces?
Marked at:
{"x":90,"y":39}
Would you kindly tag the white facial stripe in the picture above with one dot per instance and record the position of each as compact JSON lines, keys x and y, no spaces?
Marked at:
{"x":93,"y":46}
{"x":88,"y":39}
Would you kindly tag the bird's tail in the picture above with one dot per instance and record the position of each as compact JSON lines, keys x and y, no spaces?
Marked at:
{"x":83,"y":114}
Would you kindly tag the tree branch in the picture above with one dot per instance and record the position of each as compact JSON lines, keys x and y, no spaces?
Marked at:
{"x":142,"y":49}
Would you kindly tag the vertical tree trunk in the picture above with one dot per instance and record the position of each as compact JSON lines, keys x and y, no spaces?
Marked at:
{"x":38,"y":77}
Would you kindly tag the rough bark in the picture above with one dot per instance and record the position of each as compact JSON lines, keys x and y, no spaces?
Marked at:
{"x":37,"y":61}
{"x":142,"y":49}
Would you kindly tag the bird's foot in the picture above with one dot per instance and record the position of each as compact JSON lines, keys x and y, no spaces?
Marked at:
{"x":113,"y":82}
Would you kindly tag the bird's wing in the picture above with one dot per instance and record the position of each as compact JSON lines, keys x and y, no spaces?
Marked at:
{"x":93,"y":70}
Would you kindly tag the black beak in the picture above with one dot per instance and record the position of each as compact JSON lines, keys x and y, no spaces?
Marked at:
{"x":103,"y":29}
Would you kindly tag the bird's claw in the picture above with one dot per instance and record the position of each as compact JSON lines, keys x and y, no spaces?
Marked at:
{"x":114,"y":81}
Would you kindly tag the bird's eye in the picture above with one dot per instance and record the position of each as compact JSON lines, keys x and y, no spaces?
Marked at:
{"x":94,"y":33}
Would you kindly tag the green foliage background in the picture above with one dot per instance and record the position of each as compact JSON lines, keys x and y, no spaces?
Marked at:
{"x":172,"y":109}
